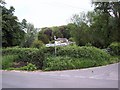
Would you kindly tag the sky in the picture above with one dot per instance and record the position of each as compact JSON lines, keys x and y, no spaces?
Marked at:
{"x":48,"y":13}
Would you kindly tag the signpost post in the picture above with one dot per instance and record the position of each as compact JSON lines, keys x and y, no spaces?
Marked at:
{"x":55,"y":44}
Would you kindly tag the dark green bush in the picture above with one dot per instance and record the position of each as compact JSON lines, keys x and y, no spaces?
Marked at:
{"x":37,"y":44}
{"x":114,"y":48}
{"x":11,"y":51}
{"x":30,"y":55}
{"x":84,"y":52}
{"x":50,"y":50}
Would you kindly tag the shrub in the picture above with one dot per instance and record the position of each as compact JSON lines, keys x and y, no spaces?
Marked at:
{"x":30,"y":55}
{"x":11,"y":51}
{"x":7,"y":61}
{"x":29,"y":67}
{"x":37,"y":44}
{"x":114,"y":59}
{"x":114,"y":48}
{"x":71,"y":39}
{"x":88,"y":44}
{"x":65,"y":63}
{"x":56,"y":63}
{"x":50,"y":50}
{"x":83,"y":52}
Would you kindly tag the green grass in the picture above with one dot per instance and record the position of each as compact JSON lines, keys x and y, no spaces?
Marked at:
{"x":7,"y":61}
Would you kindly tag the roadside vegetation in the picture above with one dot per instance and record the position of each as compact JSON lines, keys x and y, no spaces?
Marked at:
{"x":95,"y":33}
{"x":68,"y":57}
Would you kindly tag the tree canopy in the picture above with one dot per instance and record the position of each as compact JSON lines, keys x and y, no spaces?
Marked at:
{"x":12,"y":34}
{"x":99,"y":27}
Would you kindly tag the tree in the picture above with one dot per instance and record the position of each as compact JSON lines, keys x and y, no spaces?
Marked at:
{"x":65,"y":31}
{"x":24,"y":24}
{"x":56,"y":32}
{"x":37,"y":44}
{"x":2,"y":3}
{"x":31,"y":33}
{"x":12,"y":34}
{"x":43,"y":37}
{"x":48,"y":32}
{"x":109,"y":23}
{"x":80,"y":29}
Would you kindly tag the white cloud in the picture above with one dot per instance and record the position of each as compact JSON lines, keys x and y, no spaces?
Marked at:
{"x":48,"y":12}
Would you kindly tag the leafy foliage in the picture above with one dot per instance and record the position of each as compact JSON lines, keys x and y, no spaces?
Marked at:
{"x":10,"y":28}
{"x":83,"y":52}
{"x":114,"y":48}
{"x":98,"y":28}
{"x":29,"y":67}
{"x":7,"y":61}
{"x":101,"y":26}
{"x":75,"y":57}
{"x":30,"y":55}
{"x":31,"y":34}
{"x":66,"y":63}
{"x":47,"y":34}
{"x":37,"y":44}
{"x":43,"y":37}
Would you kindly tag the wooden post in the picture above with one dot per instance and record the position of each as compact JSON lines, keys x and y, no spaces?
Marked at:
{"x":55,"y":44}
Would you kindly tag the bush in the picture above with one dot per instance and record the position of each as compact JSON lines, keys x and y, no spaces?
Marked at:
{"x":66,"y":63}
{"x":37,"y":44}
{"x":84,"y":52}
{"x":13,"y":51}
{"x":30,"y":55}
{"x":56,"y":63}
{"x":50,"y":51}
{"x":29,"y":67}
{"x":114,"y":48}
{"x":88,"y":44}
{"x":7,"y":61}
{"x":68,"y":57}
{"x":71,"y":39}
{"x":114,"y":59}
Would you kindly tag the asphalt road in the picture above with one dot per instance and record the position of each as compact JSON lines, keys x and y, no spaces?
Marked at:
{"x":99,"y":77}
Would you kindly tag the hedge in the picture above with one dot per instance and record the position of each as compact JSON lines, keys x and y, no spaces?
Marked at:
{"x":67,"y":63}
{"x":83,"y":52}
{"x":29,"y":55}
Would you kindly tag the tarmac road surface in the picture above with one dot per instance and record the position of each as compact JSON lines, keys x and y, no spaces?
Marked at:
{"x":98,"y":77}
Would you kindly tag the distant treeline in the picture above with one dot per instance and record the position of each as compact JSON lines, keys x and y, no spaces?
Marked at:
{"x":99,"y":28}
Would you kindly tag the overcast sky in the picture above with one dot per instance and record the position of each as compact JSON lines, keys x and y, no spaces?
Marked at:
{"x":47,"y":13}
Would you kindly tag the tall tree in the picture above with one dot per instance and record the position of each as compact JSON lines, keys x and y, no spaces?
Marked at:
{"x":110,"y":17}
{"x":80,"y":29}
{"x":12,"y":34}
